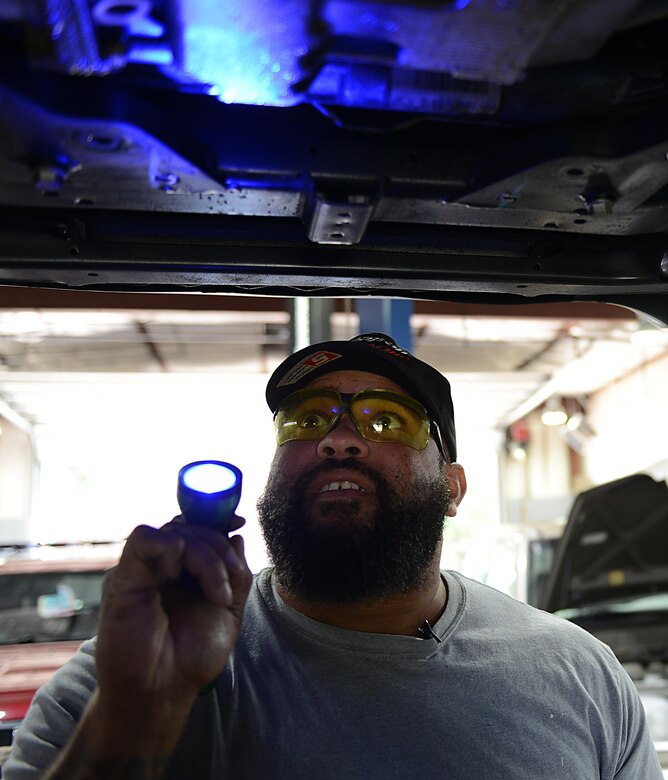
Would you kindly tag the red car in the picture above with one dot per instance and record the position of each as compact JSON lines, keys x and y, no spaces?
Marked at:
{"x":49,"y":603}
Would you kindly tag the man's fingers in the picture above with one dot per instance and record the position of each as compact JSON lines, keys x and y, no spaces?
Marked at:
{"x":236,"y":522}
{"x":240,"y":574}
{"x":205,"y":563}
{"x":218,"y":563}
{"x":149,"y":558}
{"x":153,"y":557}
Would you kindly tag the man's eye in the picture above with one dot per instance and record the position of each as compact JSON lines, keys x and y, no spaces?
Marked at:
{"x":386,"y":422}
{"x":312,"y":420}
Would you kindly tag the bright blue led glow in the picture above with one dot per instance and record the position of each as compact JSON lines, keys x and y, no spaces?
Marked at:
{"x":209,"y":478}
{"x":153,"y":55}
{"x":246,"y":52}
{"x":460,"y":5}
{"x":146,"y":27}
{"x":135,"y":17}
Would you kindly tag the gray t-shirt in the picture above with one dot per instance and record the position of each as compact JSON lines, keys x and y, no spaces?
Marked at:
{"x":508,"y":692}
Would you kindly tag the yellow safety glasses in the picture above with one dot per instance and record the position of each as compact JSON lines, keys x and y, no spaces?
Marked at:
{"x":378,"y":415}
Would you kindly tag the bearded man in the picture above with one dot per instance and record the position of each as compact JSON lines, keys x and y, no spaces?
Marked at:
{"x":353,"y":656}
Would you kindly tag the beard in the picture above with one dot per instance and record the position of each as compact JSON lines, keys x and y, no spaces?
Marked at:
{"x":344,"y":561}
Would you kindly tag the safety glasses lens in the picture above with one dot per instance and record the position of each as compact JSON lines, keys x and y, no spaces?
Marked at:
{"x":306,"y":415}
{"x":390,"y":417}
{"x":378,"y":415}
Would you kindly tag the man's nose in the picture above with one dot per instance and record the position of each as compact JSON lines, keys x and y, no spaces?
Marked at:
{"x":343,"y":441}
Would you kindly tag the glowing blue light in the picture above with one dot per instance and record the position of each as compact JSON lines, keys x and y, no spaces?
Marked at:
{"x":152,"y":55}
{"x":460,"y":5}
{"x":244,"y":51}
{"x":145,"y":27}
{"x":209,"y":478}
{"x":135,"y":17}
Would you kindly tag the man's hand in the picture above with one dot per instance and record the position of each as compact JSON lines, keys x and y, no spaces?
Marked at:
{"x":171,"y":611}
{"x":171,"y":614}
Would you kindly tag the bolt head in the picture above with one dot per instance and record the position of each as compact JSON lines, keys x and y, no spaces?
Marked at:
{"x":664,"y":264}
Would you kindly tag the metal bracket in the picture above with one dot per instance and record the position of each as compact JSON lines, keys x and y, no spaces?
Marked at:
{"x":338,"y":222}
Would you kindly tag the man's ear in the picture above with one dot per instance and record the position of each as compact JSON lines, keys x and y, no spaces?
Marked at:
{"x":456,"y":479}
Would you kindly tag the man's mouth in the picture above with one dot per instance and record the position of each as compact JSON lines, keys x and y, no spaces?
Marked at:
{"x":345,"y":485}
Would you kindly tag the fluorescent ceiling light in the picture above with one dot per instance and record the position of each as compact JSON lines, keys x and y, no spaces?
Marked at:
{"x":648,"y":335}
{"x":554,"y":413}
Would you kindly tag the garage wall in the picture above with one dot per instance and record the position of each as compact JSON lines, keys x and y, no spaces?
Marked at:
{"x":630,"y":420}
{"x":540,"y":488}
{"x":17,"y":469}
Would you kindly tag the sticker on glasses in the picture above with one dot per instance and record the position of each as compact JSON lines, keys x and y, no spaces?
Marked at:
{"x":308,"y":364}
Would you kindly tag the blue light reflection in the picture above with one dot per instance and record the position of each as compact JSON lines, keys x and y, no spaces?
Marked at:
{"x":246,"y":52}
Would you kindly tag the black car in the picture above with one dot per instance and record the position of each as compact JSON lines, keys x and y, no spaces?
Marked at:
{"x":610,"y":576}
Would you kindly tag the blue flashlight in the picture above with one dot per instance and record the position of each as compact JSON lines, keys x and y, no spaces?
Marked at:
{"x":208,"y":493}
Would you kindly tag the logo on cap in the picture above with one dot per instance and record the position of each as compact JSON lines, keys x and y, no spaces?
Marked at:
{"x":308,"y":364}
{"x":388,"y":345}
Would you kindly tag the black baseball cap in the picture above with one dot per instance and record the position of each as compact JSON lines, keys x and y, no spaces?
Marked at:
{"x":378,"y":354}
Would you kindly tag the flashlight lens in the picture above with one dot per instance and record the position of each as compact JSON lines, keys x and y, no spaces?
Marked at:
{"x":209,"y":478}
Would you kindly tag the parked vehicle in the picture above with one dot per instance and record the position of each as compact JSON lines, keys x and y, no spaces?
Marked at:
{"x":610,"y":576}
{"x":49,"y":603}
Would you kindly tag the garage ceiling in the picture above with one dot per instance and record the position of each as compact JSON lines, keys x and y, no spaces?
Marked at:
{"x":66,"y":364}
{"x":468,"y":152}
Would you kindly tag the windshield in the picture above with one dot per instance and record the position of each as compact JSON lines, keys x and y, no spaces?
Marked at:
{"x":49,"y":606}
{"x":656,"y":602}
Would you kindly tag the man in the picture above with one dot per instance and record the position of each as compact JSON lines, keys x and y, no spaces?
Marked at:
{"x":353,"y":656}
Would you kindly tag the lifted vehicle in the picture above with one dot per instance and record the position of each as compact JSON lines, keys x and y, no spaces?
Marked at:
{"x":471,"y":150}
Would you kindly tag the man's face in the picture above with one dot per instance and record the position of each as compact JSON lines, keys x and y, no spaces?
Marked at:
{"x":348,"y":519}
